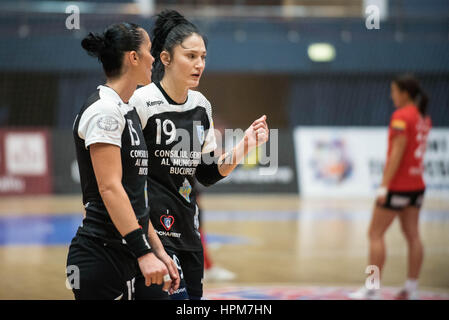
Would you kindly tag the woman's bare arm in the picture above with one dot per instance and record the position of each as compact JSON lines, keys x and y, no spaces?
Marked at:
{"x":255,"y":135}
{"x":106,"y":162}
{"x":399,"y":144}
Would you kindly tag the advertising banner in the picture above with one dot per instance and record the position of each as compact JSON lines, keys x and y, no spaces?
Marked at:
{"x":270,"y":169}
{"x":25,"y":166}
{"x":348,"y":162}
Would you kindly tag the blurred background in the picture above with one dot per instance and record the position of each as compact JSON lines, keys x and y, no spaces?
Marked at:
{"x":321,"y":72}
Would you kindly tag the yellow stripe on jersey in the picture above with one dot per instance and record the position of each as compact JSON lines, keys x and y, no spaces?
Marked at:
{"x":398,"y":124}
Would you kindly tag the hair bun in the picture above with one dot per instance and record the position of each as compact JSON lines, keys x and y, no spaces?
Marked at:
{"x":94,"y":44}
{"x":165,"y":22}
{"x":169,"y":19}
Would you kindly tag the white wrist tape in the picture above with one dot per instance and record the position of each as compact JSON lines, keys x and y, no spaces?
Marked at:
{"x":381,"y":192}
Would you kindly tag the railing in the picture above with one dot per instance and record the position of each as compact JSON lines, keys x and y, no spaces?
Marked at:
{"x":198,"y":8}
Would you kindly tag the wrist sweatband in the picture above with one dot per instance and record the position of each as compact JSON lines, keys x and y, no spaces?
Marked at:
{"x":137,"y":243}
{"x":208,"y":174}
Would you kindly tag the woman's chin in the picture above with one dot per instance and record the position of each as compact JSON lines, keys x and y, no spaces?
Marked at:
{"x":194,"y":83}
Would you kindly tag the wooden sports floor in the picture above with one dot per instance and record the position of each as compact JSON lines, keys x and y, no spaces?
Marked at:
{"x":274,"y":241}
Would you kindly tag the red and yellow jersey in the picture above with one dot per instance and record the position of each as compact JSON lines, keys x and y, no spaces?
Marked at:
{"x":409,"y":121}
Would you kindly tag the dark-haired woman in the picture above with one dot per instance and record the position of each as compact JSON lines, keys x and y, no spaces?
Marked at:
{"x":179,"y":132}
{"x":402,"y":189}
{"x":115,"y":241}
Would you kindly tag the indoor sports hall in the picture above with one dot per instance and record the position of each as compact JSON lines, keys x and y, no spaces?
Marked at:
{"x":291,"y":222}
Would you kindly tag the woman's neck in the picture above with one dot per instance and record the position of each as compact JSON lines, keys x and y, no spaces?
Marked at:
{"x":124,"y":86}
{"x":175,"y":92}
{"x":407,"y":103}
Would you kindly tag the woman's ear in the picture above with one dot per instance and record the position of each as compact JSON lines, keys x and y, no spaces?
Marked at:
{"x":133,"y":57}
{"x":165,"y":58}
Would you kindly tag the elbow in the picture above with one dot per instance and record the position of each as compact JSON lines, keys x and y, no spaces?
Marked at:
{"x":108,"y":189}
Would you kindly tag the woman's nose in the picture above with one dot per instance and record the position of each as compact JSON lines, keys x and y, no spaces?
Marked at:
{"x":200,"y":64}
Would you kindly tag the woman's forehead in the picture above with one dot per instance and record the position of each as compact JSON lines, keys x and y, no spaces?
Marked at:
{"x":145,"y":36}
{"x":194,"y":42}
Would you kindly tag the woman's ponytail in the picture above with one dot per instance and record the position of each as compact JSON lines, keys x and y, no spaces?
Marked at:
{"x":421,"y":101}
{"x":94,"y":44}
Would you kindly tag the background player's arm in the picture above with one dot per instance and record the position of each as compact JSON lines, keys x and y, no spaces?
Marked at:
{"x":255,"y":135}
{"x":398,"y":146}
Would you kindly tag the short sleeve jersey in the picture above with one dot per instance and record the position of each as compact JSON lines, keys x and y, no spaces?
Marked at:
{"x":408,"y":121}
{"x":176,"y":136}
{"x":105,"y":118}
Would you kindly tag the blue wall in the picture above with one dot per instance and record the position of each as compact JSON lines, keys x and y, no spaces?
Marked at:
{"x":351,"y":90}
{"x":266,"y":47}
{"x":358,"y":100}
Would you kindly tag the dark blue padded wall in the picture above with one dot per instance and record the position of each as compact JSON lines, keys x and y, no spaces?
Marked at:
{"x":358,"y":99}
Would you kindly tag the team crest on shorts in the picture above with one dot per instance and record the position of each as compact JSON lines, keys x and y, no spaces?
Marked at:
{"x":185,"y":190}
{"x":167,"y":221}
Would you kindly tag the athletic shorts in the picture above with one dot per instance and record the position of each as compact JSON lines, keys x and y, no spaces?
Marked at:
{"x":97,"y":270}
{"x":191,"y":270}
{"x":397,"y":200}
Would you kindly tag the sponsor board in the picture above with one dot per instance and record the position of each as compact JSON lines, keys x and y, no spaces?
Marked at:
{"x":25,"y":167}
{"x":346,"y":162}
{"x":278,"y":176}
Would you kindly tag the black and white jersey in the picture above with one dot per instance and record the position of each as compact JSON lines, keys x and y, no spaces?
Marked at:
{"x":176,"y":135}
{"x":105,"y":118}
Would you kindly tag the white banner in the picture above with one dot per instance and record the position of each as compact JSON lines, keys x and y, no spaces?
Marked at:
{"x":345,"y":162}
{"x":25,"y":154}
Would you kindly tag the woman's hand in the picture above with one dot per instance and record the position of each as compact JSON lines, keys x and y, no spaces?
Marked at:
{"x":154,"y":271}
{"x":381,"y":196}
{"x":257,"y":134}
{"x":172,"y":269}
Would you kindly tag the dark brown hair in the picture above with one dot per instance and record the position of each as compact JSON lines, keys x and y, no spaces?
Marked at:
{"x":411,"y":85}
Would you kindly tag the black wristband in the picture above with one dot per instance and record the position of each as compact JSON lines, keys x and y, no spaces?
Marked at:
{"x":137,"y":243}
{"x":208,"y":174}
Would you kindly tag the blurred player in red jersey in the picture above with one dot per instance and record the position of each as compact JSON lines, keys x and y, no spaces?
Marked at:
{"x":402,"y":189}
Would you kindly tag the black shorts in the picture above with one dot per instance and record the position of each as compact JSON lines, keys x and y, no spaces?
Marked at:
{"x":191,"y":270}
{"x":397,"y":200}
{"x":100,"y":271}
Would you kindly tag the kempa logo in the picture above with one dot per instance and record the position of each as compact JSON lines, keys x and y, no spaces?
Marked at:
{"x":154,"y":103}
{"x":73,"y":20}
